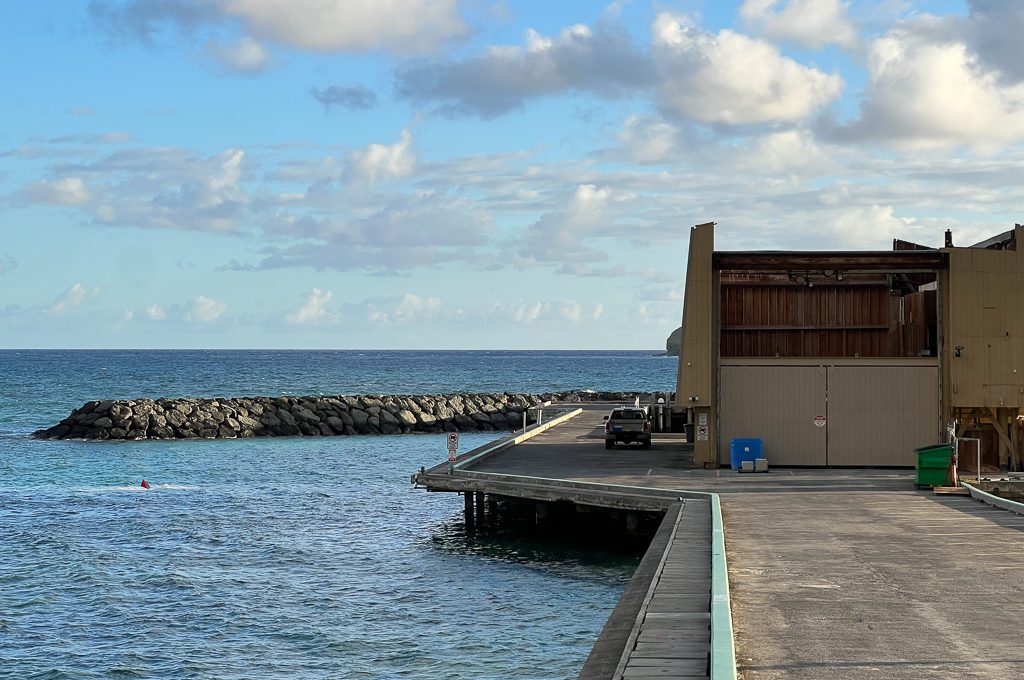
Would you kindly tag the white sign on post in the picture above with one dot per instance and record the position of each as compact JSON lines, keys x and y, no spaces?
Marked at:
{"x":453,"y":445}
{"x":702,"y":433}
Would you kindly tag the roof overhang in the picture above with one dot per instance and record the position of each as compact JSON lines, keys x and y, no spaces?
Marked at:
{"x":893,"y":262}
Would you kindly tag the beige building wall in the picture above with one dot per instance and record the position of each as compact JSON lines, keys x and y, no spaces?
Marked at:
{"x":984,"y":316}
{"x":778,"y":405}
{"x":696,"y":379}
{"x":844,"y":413}
{"x":878,"y":415}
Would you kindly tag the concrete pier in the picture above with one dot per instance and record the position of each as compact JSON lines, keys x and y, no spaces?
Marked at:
{"x":831,"y":573}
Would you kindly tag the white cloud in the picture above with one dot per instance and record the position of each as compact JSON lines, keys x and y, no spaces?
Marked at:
{"x":62,"y":191}
{"x":871,"y":227}
{"x":650,"y":139}
{"x":604,"y":61}
{"x":244,"y":55}
{"x":71,"y":298}
{"x":314,"y":310}
{"x":734,"y":79}
{"x":203,"y":310}
{"x":563,"y":312}
{"x":929,"y":91}
{"x":7,"y":263}
{"x":401,"y":26}
{"x":810,"y":23}
{"x":156,"y":312}
{"x":404,"y":309}
{"x":789,"y":151}
{"x":993,"y":29}
{"x":565,"y":235}
{"x":381,"y":161}
{"x":170,"y":189}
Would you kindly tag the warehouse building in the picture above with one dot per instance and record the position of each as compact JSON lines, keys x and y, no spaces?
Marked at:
{"x":845,"y":358}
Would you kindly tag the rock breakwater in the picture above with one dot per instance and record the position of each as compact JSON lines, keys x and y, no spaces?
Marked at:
{"x":304,"y":416}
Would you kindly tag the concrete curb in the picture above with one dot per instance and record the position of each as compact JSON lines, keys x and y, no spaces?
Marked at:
{"x":490,"y":449}
{"x":723,"y":649}
{"x":994,"y":501}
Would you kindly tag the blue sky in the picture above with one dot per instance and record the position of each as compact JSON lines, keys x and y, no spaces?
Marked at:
{"x":478,"y":174}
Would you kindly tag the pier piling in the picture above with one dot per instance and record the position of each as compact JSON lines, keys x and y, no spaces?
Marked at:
{"x":467,"y":498}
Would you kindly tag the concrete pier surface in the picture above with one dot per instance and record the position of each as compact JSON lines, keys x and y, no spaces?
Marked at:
{"x":833,"y":573}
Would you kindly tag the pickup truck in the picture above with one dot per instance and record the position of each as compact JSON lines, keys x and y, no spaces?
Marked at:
{"x":627,"y":424}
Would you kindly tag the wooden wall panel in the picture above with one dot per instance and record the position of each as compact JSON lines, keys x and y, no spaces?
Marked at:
{"x":785,"y":320}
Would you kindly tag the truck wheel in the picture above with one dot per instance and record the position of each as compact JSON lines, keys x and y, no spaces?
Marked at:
{"x":647,"y":445}
{"x":608,"y":444}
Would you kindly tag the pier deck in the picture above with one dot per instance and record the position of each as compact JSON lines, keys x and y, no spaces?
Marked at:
{"x":834,"y":573}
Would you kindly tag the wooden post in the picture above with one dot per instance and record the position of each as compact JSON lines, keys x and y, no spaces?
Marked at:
{"x":540,"y":512}
{"x":632,"y":522}
{"x":480,"y":506}
{"x":1005,"y":445}
{"x":492,"y":509}
{"x":467,"y":499}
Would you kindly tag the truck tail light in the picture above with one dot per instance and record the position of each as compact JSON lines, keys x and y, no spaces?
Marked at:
{"x":647,"y":426}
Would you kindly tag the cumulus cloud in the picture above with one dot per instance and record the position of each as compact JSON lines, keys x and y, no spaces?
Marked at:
{"x":569,"y":312}
{"x":396,"y":309}
{"x":244,"y":55}
{"x":314,"y":310}
{"x":400,"y":26}
{"x":734,"y":79}
{"x":652,"y":139}
{"x":61,"y":191}
{"x":809,"y":23}
{"x":168,"y":189}
{"x":565,"y":235}
{"x":603,"y":61}
{"x":384,"y":161}
{"x":927,"y":90}
{"x":352,"y":97}
{"x":156,"y":312}
{"x":71,"y":298}
{"x":993,"y":29}
{"x":202,"y":309}
{"x":871,"y":227}
{"x":724,"y":78}
{"x":146,"y":20}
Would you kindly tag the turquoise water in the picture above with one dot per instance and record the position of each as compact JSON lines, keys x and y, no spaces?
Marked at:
{"x":292,"y":557}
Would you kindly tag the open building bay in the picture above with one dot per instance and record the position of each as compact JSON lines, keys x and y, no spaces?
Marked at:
{"x":290,"y":557}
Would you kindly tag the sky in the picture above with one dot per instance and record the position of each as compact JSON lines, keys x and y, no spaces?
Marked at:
{"x":477,"y":174}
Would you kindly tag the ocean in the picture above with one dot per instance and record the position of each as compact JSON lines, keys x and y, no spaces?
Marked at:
{"x":282,"y":557}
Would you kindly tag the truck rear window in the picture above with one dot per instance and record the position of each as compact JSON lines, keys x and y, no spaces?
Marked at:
{"x":627,"y":415}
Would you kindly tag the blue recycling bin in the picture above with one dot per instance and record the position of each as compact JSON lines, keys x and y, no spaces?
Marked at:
{"x":745,"y":449}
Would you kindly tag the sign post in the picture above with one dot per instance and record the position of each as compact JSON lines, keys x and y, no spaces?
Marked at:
{"x":453,"y":449}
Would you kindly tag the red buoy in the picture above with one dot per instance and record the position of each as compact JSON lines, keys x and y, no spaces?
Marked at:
{"x":145,"y":484}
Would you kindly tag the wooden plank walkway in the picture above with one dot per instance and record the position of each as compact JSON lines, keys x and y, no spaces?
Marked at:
{"x":672,"y":634}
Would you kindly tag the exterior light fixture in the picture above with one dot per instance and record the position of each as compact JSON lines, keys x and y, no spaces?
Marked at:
{"x":957,"y":350}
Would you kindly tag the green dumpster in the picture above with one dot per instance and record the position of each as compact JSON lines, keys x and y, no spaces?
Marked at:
{"x":933,"y":464}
